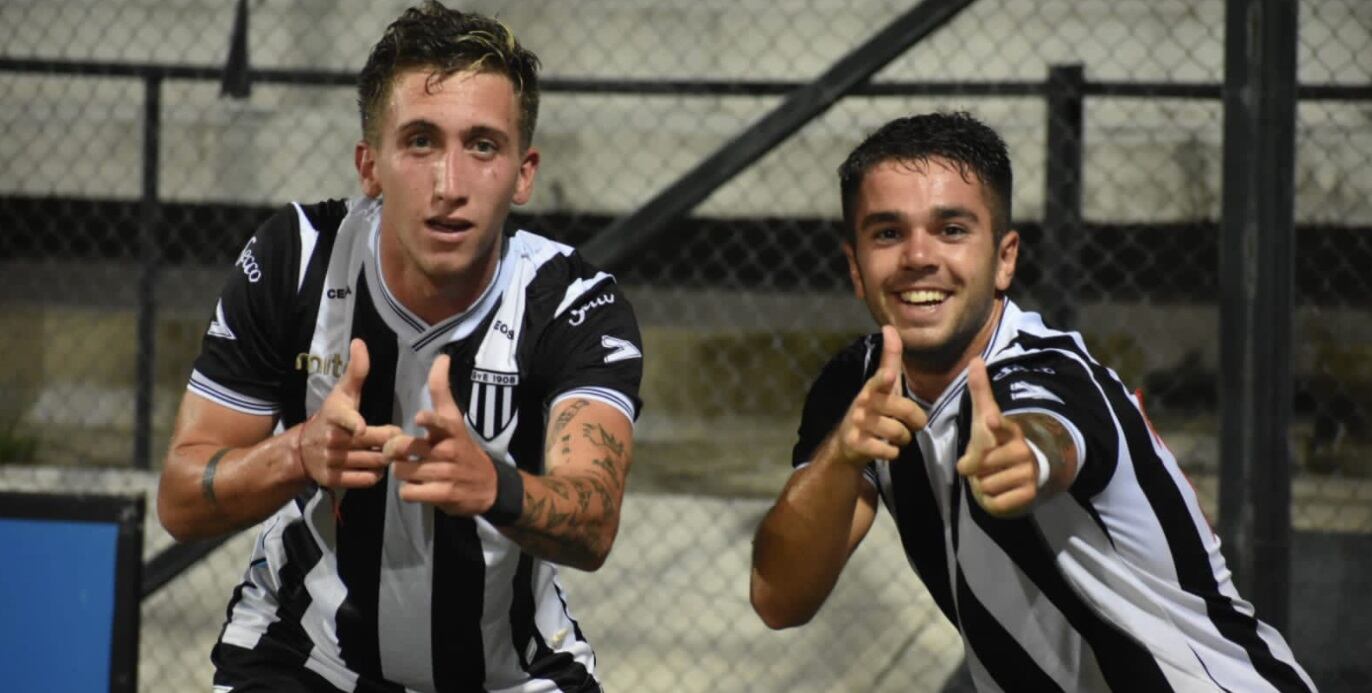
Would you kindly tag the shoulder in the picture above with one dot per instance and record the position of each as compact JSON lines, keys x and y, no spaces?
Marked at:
{"x":845,"y":373}
{"x":562,"y":280}
{"x":854,"y":362}
{"x":295,"y":226}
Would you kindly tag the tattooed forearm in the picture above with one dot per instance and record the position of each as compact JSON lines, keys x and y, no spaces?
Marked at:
{"x":1053,"y":439}
{"x":567,"y":519}
{"x":571,"y":512}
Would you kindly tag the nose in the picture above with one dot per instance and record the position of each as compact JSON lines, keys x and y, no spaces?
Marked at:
{"x":918,"y":250}
{"x":449,"y":183}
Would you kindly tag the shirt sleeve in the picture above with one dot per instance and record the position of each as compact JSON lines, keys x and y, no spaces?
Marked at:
{"x":829,"y":398}
{"x":1062,"y":387}
{"x":593,"y":349}
{"x":241,"y":364}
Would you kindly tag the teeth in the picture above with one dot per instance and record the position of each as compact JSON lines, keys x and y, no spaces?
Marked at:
{"x":923,"y":296}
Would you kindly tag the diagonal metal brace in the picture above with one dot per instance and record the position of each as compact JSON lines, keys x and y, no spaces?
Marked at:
{"x":630,"y":235}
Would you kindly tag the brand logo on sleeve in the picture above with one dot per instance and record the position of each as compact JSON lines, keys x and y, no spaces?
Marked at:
{"x":248,"y":262}
{"x":579,"y":314}
{"x":620,"y":349}
{"x":1022,"y":390}
{"x":219,"y":326}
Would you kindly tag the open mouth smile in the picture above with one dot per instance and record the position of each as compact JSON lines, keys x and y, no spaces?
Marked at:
{"x":926,"y":298}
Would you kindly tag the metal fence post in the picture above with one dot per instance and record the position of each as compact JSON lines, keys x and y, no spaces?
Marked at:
{"x":1062,"y":227}
{"x":1256,"y":269}
{"x":149,"y":260}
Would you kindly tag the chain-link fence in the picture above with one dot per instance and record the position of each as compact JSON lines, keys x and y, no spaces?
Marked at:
{"x":116,"y":230}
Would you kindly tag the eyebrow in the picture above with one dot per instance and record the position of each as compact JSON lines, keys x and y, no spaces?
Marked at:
{"x":489,"y":132}
{"x":417,"y":125}
{"x":955,"y":212}
{"x":883,"y":217}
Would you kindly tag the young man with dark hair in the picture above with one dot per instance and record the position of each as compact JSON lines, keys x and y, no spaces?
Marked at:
{"x":428,"y":412}
{"x":1048,"y":521}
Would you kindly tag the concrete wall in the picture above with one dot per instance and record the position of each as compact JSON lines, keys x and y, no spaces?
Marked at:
{"x":1147,"y":159}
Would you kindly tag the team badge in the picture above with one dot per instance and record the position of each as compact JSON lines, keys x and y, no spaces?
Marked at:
{"x":491,"y":407}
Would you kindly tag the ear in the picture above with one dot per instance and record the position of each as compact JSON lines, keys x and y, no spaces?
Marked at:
{"x":854,"y":272}
{"x":364,"y":158}
{"x":1006,"y":257}
{"x":524,"y":183}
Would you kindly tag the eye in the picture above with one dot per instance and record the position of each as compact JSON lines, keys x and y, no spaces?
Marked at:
{"x":885,"y":234}
{"x":484,"y":148}
{"x":954,"y":230}
{"x":419,"y":140}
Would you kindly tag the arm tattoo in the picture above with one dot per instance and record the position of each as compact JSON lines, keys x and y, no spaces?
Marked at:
{"x":207,"y":479}
{"x":602,"y":438}
{"x":1051,"y":437}
{"x":608,"y":465}
{"x":567,"y":415}
{"x":571,"y":512}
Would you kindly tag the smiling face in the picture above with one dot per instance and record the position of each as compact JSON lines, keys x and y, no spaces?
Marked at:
{"x":448,"y":163}
{"x":926,"y":261}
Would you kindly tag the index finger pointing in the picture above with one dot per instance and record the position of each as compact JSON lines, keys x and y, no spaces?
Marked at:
{"x":359,"y":363}
{"x":890,"y":368}
{"x":441,"y":391}
{"x":984,"y":405}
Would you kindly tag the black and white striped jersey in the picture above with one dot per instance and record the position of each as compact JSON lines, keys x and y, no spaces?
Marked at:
{"x":1117,"y":584}
{"x":379,"y":594}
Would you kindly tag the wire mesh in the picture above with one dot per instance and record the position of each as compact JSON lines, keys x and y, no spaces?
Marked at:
{"x":747,"y":297}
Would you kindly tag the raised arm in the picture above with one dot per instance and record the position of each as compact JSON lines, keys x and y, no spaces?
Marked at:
{"x":827,"y":507}
{"x":1014,"y":460}
{"x":569,"y":515}
{"x":225,"y":470}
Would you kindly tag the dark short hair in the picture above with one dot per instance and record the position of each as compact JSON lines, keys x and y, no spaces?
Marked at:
{"x":447,"y":41}
{"x":970,"y":145}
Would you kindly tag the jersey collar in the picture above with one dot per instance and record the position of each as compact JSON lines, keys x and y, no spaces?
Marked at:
{"x":413,"y":329}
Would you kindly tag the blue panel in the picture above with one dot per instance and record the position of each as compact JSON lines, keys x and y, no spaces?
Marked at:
{"x":56,"y":604}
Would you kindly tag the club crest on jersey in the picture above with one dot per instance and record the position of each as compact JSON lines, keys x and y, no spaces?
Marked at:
{"x":491,"y":407}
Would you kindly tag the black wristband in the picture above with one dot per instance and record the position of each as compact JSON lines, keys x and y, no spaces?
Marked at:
{"x":509,"y":495}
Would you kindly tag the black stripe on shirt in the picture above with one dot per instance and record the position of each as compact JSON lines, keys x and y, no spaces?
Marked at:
{"x":561,"y":667}
{"x":1002,"y":657}
{"x":362,"y":512}
{"x":292,"y":597}
{"x":459,"y":587}
{"x":1124,"y":662}
{"x":522,"y":627}
{"x":1195,"y":574}
{"x":921,"y":526}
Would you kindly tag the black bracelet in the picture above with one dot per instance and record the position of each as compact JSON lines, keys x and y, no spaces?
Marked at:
{"x":509,"y":495}
{"x":207,"y":479}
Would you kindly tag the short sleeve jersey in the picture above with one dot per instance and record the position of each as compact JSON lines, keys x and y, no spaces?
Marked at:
{"x":369,"y":591}
{"x":1117,"y":584}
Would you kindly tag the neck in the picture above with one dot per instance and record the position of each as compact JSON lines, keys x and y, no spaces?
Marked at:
{"x":928,"y":378}
{"x":434,"y":299}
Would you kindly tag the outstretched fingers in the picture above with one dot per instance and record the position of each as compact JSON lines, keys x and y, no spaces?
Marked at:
{"x":445,"y":419}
